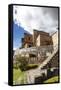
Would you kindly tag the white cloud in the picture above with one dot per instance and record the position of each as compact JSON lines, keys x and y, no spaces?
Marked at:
{"x":34,"y":18}
{"x":14,"y":48}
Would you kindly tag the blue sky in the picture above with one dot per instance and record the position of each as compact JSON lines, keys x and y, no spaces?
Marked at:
{"x":18,"y":33}
{"x":40,"y":18}
{"x":28,"y":18}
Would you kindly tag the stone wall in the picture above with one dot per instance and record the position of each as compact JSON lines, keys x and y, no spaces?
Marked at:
{"x":41,"y":38}
{"x":54,"y":62}
{"x":55,"y":39}
{"x":27,"y":40}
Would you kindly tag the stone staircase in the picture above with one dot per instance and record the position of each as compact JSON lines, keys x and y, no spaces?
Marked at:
{"x":32,"y":74}
{"x":49,"y":58}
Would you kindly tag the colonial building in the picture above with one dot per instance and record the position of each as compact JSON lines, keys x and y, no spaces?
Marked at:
{"x":38,"y":47}
{"x":27,"y":41}
{"x":55,"y":39}
{"x":39,"y":38}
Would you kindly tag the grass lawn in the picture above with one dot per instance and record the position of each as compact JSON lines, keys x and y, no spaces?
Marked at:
{"x":18,"y":76}
{"x":52,"y":80}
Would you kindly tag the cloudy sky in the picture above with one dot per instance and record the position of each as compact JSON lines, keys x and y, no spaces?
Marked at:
{"x":40,"y":18}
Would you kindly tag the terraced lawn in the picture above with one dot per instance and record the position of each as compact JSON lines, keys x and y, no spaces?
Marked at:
{"x":18,"y":76}
{"x":52,"y":80}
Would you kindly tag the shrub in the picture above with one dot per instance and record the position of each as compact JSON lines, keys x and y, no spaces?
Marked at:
{"x":31,"y":66}
{"x":23,"y":63}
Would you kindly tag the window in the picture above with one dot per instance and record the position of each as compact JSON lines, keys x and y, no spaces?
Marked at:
{"x":30,"y":45}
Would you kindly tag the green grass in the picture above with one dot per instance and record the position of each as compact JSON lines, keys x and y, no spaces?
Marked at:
{"x":52,"y":80}
{"x":18,"y":76}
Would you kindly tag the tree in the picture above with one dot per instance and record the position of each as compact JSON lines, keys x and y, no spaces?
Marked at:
{"x":22,"y":62}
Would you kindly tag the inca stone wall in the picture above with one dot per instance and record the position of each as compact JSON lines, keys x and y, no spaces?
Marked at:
{"x":27,"y":41}
{"x":54,"y":62}
{"x":44,"y":38}
{"x":33,"y":40}
{"x":55,"y":39}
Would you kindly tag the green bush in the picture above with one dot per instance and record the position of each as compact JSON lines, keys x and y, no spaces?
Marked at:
{"x":23,"y":63}
{"x":52,"y":79}
{"x":31,"y":66}
{"x":16,"y":66}
{"x":28,"y":67}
